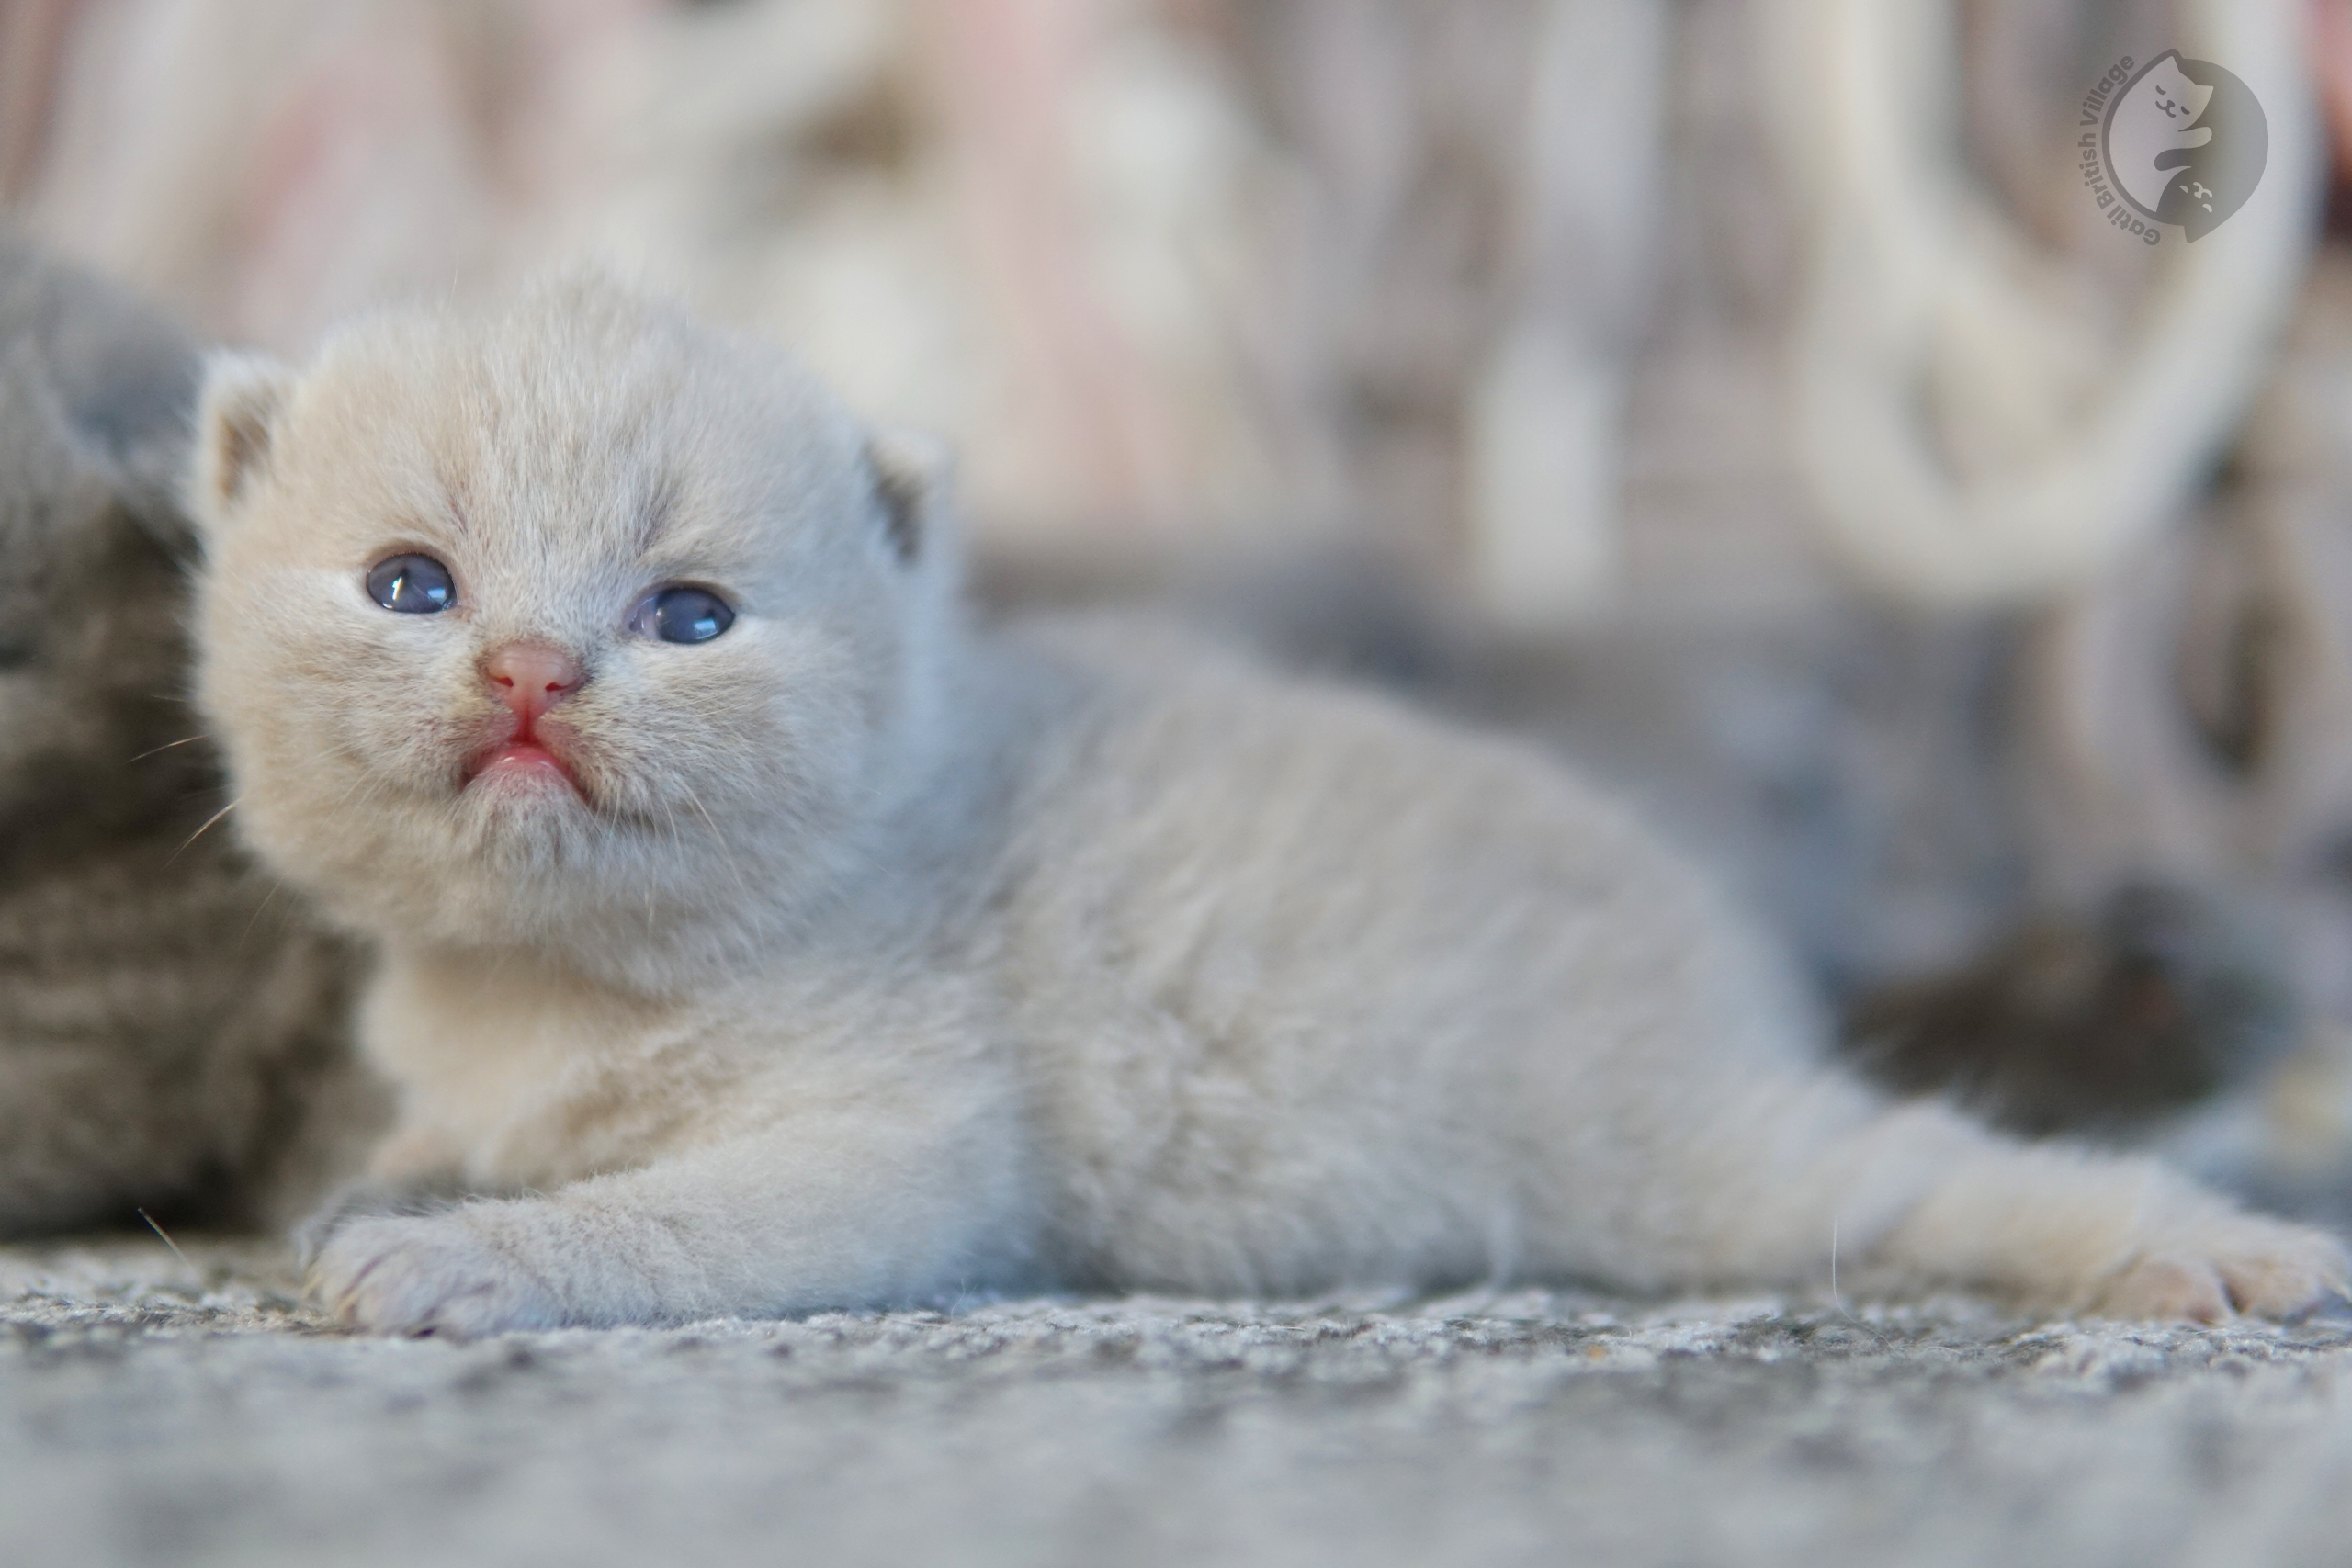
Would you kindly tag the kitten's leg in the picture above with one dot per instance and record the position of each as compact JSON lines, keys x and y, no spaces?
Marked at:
{"x":2116,"y":1237}
{"x":1919,"y":1196}
{"x":847,"y":1207}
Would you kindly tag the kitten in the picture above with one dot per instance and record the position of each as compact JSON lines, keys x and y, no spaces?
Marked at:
{"x":172,"y":1037}
{"x":758,"y":938}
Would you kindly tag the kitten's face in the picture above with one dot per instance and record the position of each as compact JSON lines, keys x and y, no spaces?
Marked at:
{"x":448,"y":563}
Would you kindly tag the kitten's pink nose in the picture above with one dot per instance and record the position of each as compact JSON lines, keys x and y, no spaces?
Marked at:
{"x":531,"y":678}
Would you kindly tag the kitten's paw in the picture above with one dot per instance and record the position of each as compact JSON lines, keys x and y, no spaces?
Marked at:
{"x":352,"y":1202}
{"x":428,"y":1274}
{"x":2262,"y":1267}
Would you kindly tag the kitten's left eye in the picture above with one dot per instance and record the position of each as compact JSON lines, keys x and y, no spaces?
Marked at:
{"x":414,"y":585}
{"x":681,"y":615}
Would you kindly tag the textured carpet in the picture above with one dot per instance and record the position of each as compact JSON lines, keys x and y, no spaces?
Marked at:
{"x":155,"y":1410}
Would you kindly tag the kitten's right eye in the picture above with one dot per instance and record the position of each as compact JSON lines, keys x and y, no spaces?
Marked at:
{"x":414,"y":585}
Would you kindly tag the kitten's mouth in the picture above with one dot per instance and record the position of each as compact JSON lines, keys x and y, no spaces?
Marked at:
{"x":522,"y":760}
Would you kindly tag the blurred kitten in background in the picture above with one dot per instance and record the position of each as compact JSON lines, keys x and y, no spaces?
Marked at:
{"x":172,"y":1031}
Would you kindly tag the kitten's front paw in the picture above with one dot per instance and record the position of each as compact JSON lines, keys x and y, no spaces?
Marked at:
{"x":353,"y":1202}
{"x":428,"y":1274}
{"x":2262,"y":1267}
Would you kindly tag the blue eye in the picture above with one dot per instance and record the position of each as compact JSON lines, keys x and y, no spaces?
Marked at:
{"x":681,"y":615}
{"x":414,"y":585}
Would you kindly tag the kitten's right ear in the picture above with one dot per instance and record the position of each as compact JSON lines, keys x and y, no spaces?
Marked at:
{"x":912,"y":475}
{"x":235,"y":419}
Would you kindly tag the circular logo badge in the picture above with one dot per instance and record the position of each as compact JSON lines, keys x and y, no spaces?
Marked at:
{"x":2184,"y":143}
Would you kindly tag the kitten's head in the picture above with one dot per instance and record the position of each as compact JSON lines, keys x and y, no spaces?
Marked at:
{"x":94,"y":393}
{"x":574,"y":627}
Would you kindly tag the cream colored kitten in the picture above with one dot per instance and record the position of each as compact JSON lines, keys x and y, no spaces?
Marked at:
{"x":773,"y":941}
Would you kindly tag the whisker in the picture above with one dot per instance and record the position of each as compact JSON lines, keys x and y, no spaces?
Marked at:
{"x":201,"y":831}
{"x":676,"y":837}
{"x":1835,"y":1299}
{"x":358,"y":783}
{"x":271,"y":892}
{"x":734,"y":866}
{"x":166,"y":746}
{"x":696,"y":801}
{"x":166,"y":1235}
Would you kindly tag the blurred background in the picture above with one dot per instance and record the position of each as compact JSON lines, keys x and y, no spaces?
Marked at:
{"x":1748,"y":397}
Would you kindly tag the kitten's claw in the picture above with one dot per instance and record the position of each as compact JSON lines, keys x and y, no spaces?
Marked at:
{"x":2259,"y":1267}
{"x":429,"y":1274}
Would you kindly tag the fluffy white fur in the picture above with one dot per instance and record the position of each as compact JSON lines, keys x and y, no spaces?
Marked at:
{"x":877,"y":958}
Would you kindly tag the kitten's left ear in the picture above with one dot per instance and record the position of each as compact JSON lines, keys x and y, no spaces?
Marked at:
{"x":236,"y":415}
{"x":913,"y":474}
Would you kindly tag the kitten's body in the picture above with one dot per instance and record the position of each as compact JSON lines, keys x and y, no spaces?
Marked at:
{"x":872,"y":958}
{"x":172,"y":1034}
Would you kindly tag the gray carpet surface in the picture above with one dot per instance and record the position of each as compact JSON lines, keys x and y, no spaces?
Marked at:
{"x":155,"y":1408}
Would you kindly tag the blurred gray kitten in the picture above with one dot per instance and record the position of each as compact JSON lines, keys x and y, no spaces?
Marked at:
{"x":171,"y":1035}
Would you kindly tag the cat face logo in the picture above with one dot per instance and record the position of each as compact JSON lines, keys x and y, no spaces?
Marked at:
{"x":2183,"y":142}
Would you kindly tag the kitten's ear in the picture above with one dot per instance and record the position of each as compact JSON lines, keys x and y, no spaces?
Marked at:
{"x":243,"y":395}
{"x":912,"y":476}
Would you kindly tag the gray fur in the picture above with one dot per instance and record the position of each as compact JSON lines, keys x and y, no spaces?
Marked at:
{"x":171,"y":1031}
{"x":856,"y":957}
